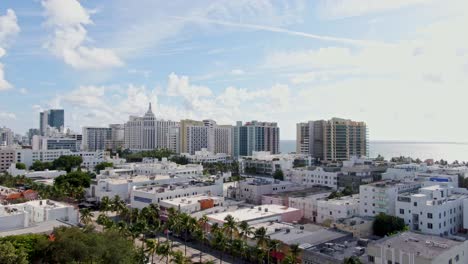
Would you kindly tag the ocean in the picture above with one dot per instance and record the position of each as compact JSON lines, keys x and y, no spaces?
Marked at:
{"x":449,"y":151}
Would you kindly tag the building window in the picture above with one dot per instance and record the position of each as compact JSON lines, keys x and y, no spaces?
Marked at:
{"x":402,"y":211}
{"x":429,"y":225}
{"x":371,"y":259}
{"x":429,"y":215}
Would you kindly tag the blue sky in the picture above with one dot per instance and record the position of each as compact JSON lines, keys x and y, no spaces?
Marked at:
{"x":399,"y":65}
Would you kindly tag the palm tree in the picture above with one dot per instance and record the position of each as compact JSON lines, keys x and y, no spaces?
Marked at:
{"x":294,"y":251}
{"x":164,"y":250}
{"x":245,"y":230}
{"x":219,"y":242}
{"x":86,"y":216}
{"x":105,"y":204}
{"x":230,"y":226}
{"x":151,"y":248}
{"x":104,"y":220}
{"x":122,"y":227}
{"x":179,"y":258}
{"x":261,"y":236}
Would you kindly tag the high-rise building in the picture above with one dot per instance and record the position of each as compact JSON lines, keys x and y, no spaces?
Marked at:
{"x":206,"y":134}
{"x":53,"y":118}
{"x":95,"y":138}
{"x":255,"y":136}
{"x":6,"y":136}
{"x":147,"y":132}
{"x":117,"y":137}
{"x":31,"y":133}
{"x":50,"y":143}
{"x":332,"y":140}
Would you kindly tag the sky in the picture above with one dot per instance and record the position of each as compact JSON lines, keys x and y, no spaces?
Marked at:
{"x":399,"y":65}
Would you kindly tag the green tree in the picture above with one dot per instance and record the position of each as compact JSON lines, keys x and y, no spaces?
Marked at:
{"x":294,"y":252}
{"x":261,"y":236}
{"x":278,"y":175}
{"x":67,"y":163}
{"x":11,"y":255}
{"x":74,"y":245}
{"x":387,"y":224}
{"x":74,"y":179}
{"x":101,"y":166}
{"x":20,"y":166}
{"x":230,"y":227}
{"x":41,"y":166}
{"x":32,"y":244}
{"x":86,"y":216}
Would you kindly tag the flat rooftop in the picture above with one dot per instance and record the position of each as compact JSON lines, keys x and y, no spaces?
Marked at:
{"x":425,"y":245}
{"x":345,"y":200}
{"x":39,"y":228}
{"x":161,"y":188}
{"x":138,"y":178}
{"x":181,"y":201}
{"x":305,"y":237}
{"x":254,"y":212}
{"x":301,"y":193}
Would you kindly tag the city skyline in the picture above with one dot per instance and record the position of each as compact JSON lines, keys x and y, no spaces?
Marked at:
{"x":395,"y":65}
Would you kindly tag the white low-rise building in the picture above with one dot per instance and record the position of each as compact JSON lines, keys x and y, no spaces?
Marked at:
{"x":192,"y":204}
{"x":27,"y":214}
{"x":46,"y":174}
{"x":308,"y":204}
{"x":252,"y":189}
{"x":331,"y":210}
{"x":122,"y":186}
{"x":259,"y":214}
{"x":163,"y":167}
{"x":29,"y":156}
{"x":380,"y":197}
{"x":314,"y":176}
{"x":205,"y":156}
{"x":414,"y":248}
{"x":434,"y":210}
{"x":263,"y":162}
{"x":145,"y":195}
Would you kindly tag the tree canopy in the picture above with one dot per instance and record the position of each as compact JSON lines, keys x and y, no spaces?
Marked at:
{"x":74,"y":179}
{"x":67,"y":163}
{"x":385,"y":225}
{"x":278,"y":175}
{"x":102,"y":166}
{"x":20,"y":166}
{"x":138,"y":156}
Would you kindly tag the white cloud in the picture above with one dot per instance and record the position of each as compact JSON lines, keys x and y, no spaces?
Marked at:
{"x":332,"y":9}
{"x":413,"y":90}
{"x":8,"y":29}
{"x":67,"y":18}
{"x":7,"y":116}
{"x":102,"y":105}
{"x":237,"y":72}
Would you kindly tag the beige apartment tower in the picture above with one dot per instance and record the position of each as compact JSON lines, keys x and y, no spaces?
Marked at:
{"x":332,"y":140}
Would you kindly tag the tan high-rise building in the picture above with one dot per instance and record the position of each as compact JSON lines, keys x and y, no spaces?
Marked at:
{"x":333,"y":140}
{"x":206,"y":134}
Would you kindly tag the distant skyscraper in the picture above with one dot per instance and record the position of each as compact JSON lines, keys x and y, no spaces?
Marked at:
{"x":53,"y":118}
{"x":255,"y":136}
{"x":333,"y":140}
{"x":147,"y":132}
{"x":117,"y":138}
{"x":95,"y":138}
{"x":6,"y":136}
{"x":31,"y":133}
